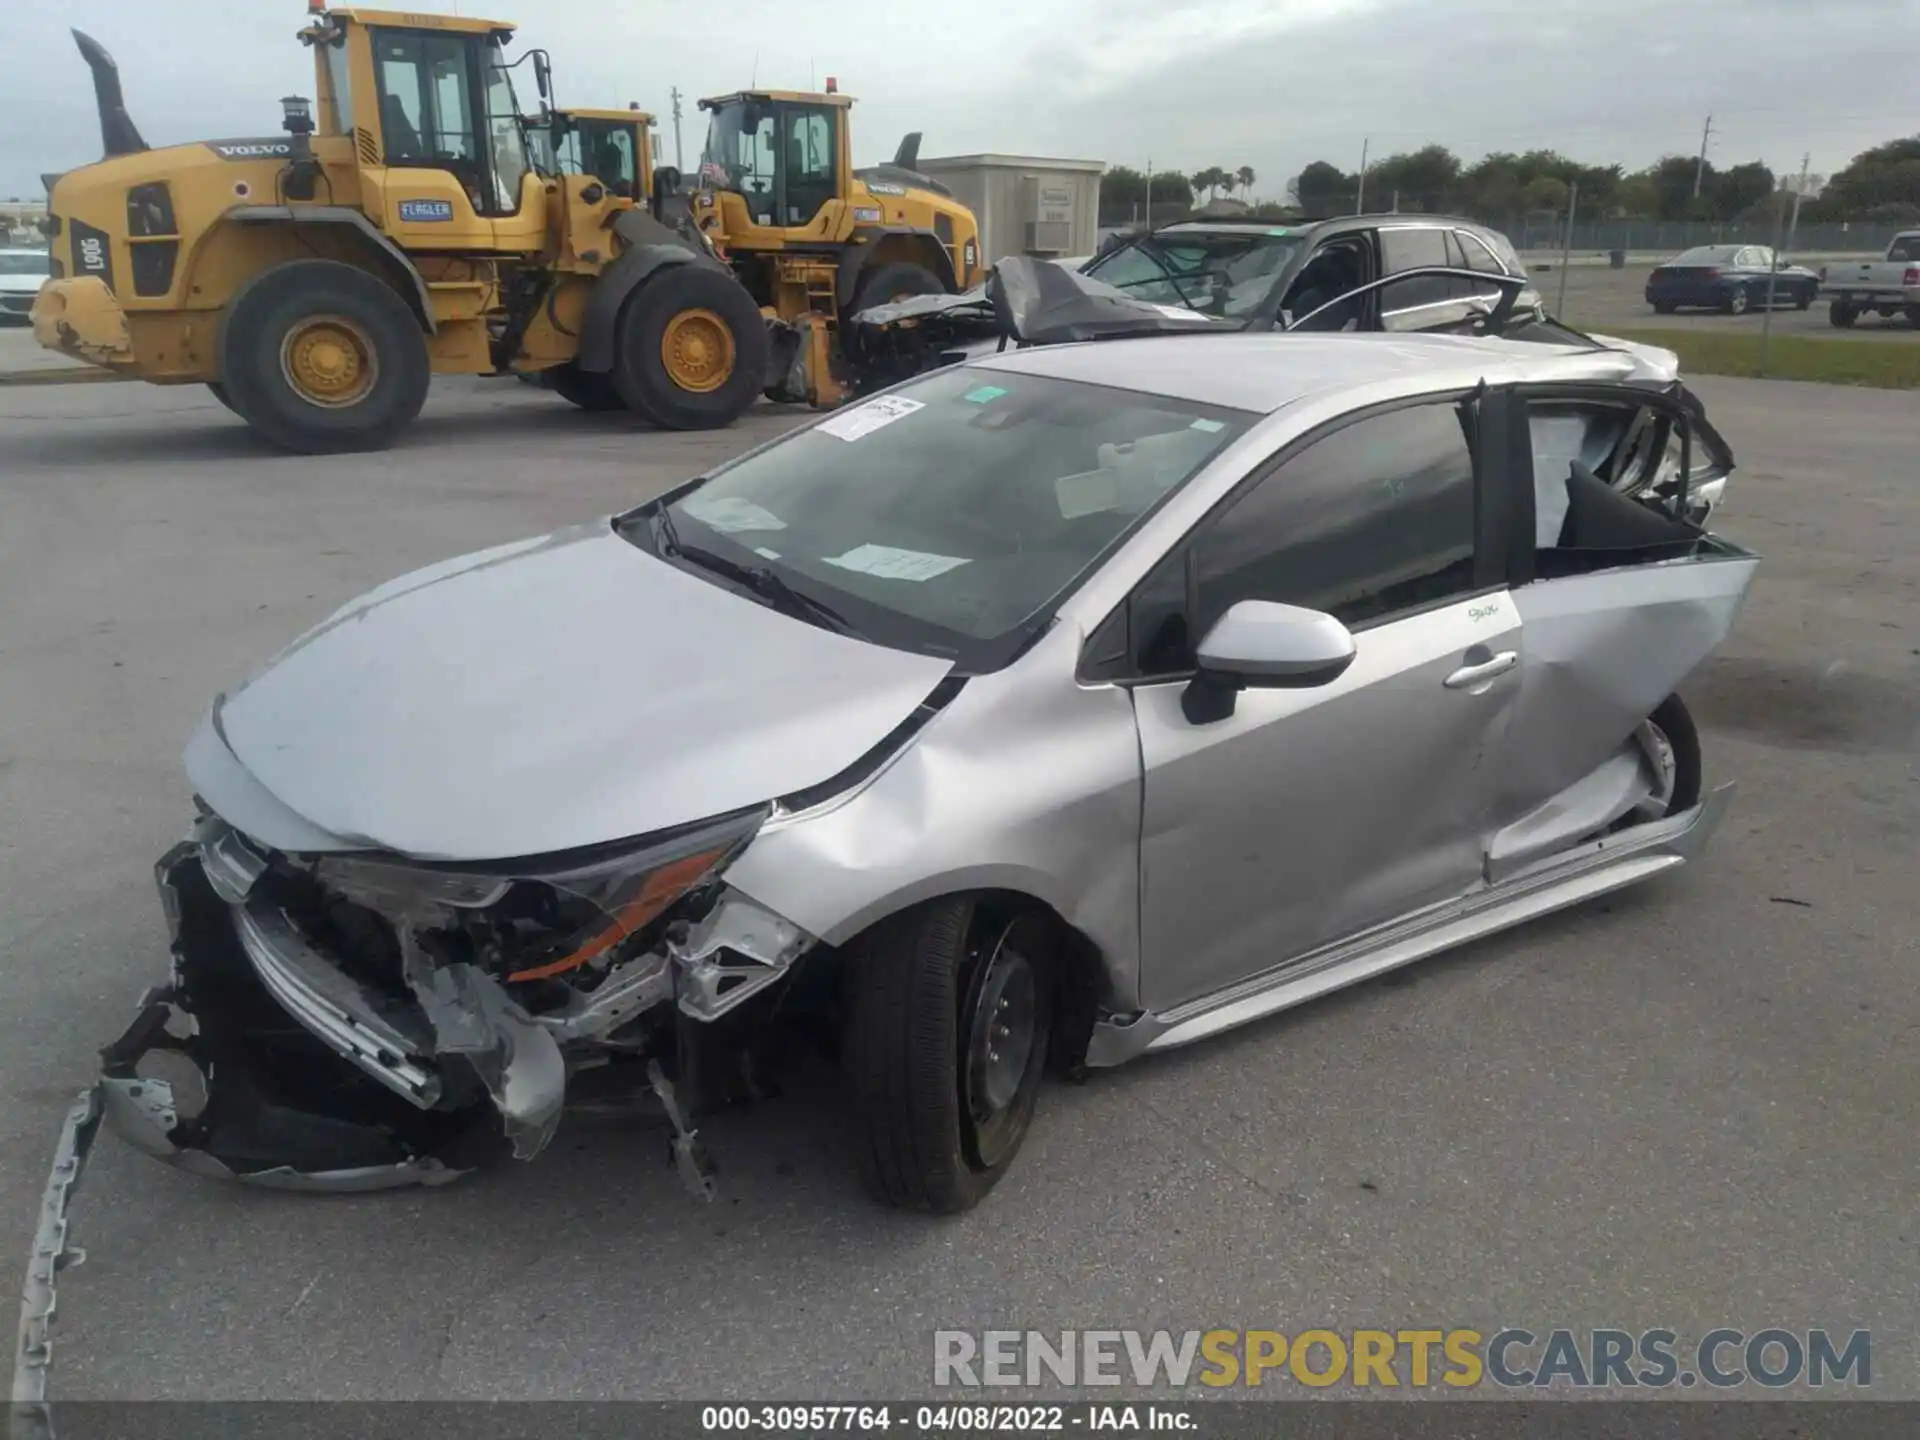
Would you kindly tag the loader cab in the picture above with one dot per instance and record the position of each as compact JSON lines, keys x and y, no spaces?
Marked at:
{"x":428,"y":100}
{"x":776,"y":162}
{"x":615,"y":147}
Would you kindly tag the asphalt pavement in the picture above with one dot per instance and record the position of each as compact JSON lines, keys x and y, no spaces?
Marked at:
{"x":1689,"y":1105}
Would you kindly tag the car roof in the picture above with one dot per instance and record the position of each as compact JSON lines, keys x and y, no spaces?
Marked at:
{"x":1263,"y":372}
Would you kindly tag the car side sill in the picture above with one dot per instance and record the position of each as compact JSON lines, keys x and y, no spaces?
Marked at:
{"x":1553,"y":884}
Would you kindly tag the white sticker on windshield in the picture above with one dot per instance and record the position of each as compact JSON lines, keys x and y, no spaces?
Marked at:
{"x":865,"y":419}
{"x":891,"y":564}
{"x":730,"y":514}
{"x":1179,"y":312}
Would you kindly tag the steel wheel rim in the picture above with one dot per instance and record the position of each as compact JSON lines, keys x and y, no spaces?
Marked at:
{"x":1001,"y":1036}
{"x":329,"y":361}
{"x":697,"y":350}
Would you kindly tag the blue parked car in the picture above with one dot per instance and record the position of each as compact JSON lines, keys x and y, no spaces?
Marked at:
{"x":1729,"y":278}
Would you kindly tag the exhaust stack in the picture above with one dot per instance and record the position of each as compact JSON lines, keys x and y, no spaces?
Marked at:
{"x":118,"y":134}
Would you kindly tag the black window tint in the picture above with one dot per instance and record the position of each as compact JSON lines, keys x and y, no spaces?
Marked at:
{"x":1157,"y":620}
{"x":1375,"y":518}
{"x":1413,"y":249}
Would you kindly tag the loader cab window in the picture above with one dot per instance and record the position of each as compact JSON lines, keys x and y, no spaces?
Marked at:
{"x":339,"y":85}
{"x":431,"y":93}
{"x":740,"y":155}
{"x":606,"y":152}
{"x":809,"y":171}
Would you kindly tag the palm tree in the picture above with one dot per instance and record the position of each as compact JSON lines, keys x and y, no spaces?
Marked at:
{"x":1208,"y":180}
{"x":1246,"y":178}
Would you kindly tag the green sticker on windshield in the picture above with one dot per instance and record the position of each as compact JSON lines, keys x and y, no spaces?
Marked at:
{"x":1281,"y":230}
{"x":982,"y":395}
{"x":1209,"y":426}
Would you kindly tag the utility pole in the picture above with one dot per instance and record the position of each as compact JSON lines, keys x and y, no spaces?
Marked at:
{"x":1566,"y":248}
{"x":679,"y":161}
{"x":1360,"y":192}
{"x":1773,"y":264}
{"x":1149,"y":192}
{"x":1700,"y":170}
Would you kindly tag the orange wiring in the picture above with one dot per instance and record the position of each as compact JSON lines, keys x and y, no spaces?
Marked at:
{"x":661,"y":889}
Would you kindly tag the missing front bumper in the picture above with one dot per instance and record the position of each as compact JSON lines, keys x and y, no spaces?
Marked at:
{"x":284,"y":1072}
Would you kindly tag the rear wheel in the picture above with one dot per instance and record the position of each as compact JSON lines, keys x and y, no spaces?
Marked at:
{"x":1803,"y":300}
{"x":219,"y":392}
{"x":1671,"y":743}
{"x":320,"y":357}
{"x":1913,"y":316}
{"x":1736,"y":301}
{"x":1840,"y":315}
{"x":1663,"y":307}
{"x":692,"y":349}
{"x":585,"y":388}
{"x":946,"y":1019}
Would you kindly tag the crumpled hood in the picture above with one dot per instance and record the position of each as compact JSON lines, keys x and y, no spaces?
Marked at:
{"x":541,"y":696}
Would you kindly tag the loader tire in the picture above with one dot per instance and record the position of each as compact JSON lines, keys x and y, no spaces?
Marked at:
{"x":320,"y":357}
{"x":691,"y":351}
{"x":898,"y":280}
{"x":584,"y":388}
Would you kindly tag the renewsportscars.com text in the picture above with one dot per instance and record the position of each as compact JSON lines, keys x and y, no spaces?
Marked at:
{"x":1511,"y":1358}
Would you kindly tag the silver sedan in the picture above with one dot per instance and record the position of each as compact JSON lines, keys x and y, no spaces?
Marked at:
{"x":1049,"y":709}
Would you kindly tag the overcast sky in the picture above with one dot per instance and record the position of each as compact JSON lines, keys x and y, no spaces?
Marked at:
{"x":1267,"y":83}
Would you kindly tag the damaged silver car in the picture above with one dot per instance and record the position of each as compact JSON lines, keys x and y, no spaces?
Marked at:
{"x":1048,"y":709}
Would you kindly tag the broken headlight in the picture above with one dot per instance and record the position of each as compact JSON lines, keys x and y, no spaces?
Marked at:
{"x":546,"y":917}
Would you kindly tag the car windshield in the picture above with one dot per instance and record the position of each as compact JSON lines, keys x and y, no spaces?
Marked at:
{"x":1707,"y":255}
{"x":946,"y":515}
{"x":1225,"y":274}
{"x":17,"y":262}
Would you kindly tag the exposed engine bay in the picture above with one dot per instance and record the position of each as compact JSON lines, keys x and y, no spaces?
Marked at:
{"x":351,"y":1022}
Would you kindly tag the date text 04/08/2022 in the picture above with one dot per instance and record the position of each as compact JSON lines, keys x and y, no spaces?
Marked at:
{"x":942,"y":1419}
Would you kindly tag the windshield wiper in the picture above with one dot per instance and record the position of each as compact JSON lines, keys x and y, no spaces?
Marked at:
{"x":760,"y":579}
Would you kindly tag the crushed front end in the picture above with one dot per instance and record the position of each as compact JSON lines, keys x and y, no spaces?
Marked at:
{"x":355,"y":1021}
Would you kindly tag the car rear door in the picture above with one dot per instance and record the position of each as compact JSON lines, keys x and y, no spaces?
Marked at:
{"x":1610,"y":624}
{"x":1309,"y":814}
{"x":1422,"y":302}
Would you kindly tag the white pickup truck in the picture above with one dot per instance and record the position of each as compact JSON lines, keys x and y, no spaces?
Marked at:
{"x":1883,"y":287}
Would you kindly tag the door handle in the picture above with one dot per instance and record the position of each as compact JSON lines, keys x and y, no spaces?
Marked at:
{"x":1468,"y":676}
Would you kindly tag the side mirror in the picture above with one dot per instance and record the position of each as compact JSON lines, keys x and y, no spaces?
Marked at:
{"x":1262,"y":644}
{"x":666,"y":181}
{"x":543,"y":77}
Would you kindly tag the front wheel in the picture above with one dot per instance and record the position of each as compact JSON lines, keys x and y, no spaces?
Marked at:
{"x":1736,"y":301}
{"x":1913,"y":316}
{"x":1804,"y":300}
{"x":692,"y":349}
{"x":946,"y":1018}
{"x":320,"y":357}
{"x":1663,"y":307}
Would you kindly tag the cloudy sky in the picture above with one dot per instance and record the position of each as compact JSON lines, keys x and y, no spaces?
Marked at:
{"x":1267,"y":83}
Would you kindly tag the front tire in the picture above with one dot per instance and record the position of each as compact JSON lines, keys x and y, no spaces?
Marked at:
{"x":1736,"y":301}
{"x":898,"y":280}
{"x":1663,"y":307}
{"x":946,"y":1020}
{"x":692,"y":349}
{"x":319,"y":357}
{"x":1804,"y":300}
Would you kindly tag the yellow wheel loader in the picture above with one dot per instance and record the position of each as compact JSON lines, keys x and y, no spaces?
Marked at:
{"x":813,"y":239}
{"x":777,"y":199}
{"x":399,"y":229}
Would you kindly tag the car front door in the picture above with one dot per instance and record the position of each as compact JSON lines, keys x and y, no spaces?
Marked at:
{"x":1306,"y":815}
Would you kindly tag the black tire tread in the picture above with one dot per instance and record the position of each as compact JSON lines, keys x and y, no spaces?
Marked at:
{"x":1677,"y":724}
{"x":901,"y":1053}
{"x":256,"y":390}
{"x":641,"y":379}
